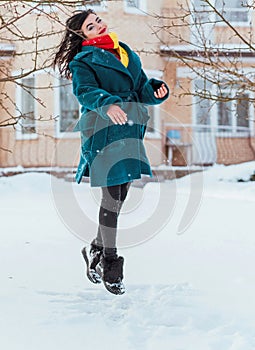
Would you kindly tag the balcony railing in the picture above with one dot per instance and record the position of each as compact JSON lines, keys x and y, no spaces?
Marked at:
{"x":188,"y":144}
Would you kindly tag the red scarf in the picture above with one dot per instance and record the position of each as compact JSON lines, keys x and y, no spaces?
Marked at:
{"x":105,"y":42}
{"x":110,"y":43}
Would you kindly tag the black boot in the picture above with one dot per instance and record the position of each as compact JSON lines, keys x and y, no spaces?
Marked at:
{"x":92,"y":257}
{"x":111,"y":272}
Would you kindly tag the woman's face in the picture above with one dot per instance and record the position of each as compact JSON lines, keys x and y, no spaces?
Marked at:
{"x":93,"y":27}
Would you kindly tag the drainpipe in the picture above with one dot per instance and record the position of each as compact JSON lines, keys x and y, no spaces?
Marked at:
{"x":250,"y":144}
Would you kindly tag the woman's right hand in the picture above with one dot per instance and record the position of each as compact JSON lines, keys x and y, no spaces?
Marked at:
{"x":117,"y":115}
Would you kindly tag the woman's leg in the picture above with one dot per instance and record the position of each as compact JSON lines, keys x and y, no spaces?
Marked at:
{"x":113,"y":198}
{"x":105,"y":242}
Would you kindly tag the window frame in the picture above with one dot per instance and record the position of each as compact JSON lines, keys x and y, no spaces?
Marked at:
{"x":209,"y":124}
{"x":226,"y":9}
{"x":19,"y":135}
{"x":139,"y":10}
{"x":57,"y":112}
{"x":157,"y":134}
{"x":46,"y":8}
{"x":103,"y":7}
{"x":230,"y":130}
{"x":208,"y":32}
{"x":232,"y":22}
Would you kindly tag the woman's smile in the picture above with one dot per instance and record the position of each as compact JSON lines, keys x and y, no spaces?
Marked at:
{"x":102,"y":31}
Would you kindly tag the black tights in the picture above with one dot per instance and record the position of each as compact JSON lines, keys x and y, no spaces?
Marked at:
{"x":113,"y":198}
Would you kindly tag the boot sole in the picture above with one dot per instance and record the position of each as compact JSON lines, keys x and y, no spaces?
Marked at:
{"x":115,"y":289}
{"x":108,"y":286}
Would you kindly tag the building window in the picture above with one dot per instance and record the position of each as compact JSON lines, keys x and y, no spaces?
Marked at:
{"x":44,"y":7}
{"x":231,"y":115}
{"x":153,"y":125}
{"x":204,"y":19}
{"x":200,"y":11}
{"x":95,"y":5}
{"x":242,"y":112}
{"x":202,"y":106}
{"x":26,"y":110}
{"x":68,"y":107}
{"x":135,"y":6}
{"x":234,"y":11}
{"x":201,"y":24}
{"x":224,"y":115}
{"x":133,"y":3}
{"x":28,"y":105}
{"x":153,"y":129}
{"x":234,"y":113}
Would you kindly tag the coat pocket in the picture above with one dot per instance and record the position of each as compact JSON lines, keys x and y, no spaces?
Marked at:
{"x":100,"y":132}
{"x":93,"y":129}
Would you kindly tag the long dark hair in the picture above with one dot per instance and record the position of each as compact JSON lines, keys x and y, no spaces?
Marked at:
{"x":71,"y":43}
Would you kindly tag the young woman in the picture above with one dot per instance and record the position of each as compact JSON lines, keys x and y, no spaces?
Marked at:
{"x":112,"y":88}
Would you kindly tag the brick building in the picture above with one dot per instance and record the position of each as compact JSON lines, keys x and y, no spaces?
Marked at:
{"x":193,"y":138}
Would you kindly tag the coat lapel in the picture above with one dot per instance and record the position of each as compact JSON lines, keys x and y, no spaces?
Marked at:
{"x":134,"y":65}
{"x":106,"y":59}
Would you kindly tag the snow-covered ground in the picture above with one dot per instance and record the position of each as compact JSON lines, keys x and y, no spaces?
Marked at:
{"x":188,"y":291}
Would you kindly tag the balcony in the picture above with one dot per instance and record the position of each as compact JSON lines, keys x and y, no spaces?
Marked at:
{"x":6,"y":50}
{"x":189,"y":144}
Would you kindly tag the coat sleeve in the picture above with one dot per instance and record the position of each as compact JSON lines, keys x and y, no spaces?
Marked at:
{"x":146,"y":90}
{"x":88,"y":92}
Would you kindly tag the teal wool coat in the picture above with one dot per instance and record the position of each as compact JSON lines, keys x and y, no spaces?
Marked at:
{"x":111,"y":154}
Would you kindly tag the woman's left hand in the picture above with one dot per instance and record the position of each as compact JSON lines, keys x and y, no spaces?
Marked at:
{"x":161,"y":92}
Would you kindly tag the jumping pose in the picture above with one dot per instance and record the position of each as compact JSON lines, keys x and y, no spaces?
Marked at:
{"x":113,"y":90}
